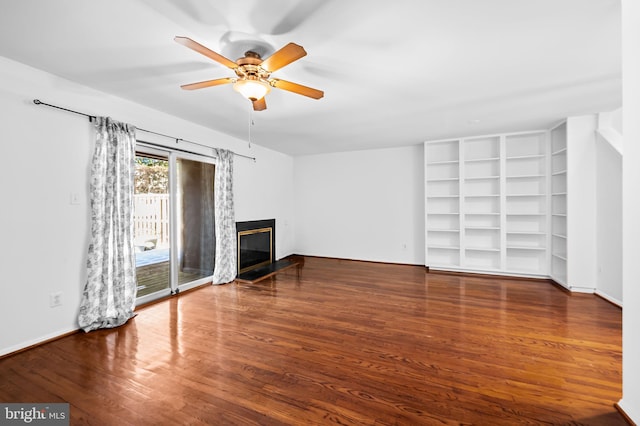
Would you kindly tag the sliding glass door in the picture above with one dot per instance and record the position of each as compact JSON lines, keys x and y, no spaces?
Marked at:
{"x":195,"y":230}
{"x":174,"y":222}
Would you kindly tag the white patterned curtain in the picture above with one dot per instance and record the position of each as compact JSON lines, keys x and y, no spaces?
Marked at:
{"x":109,"y":295}
{"x":226,"y":245}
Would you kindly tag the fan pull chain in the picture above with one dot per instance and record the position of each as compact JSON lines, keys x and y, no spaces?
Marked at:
{"x":250,"y":125}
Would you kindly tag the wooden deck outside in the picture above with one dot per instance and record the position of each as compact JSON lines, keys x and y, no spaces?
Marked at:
{"x":155,"y":277}
{"x":341,"y":343}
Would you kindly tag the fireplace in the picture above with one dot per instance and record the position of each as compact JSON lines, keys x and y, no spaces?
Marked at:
{"x":256,"y":244}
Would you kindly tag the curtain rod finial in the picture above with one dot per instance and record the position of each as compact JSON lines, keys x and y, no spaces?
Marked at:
{"x":37,"y":101}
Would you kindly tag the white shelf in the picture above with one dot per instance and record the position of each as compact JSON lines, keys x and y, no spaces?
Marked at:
{"x":558,"y":173}
{"x":525,"y":177}
{"x":560,"y":151}
{"x":443,"y":230}
{"x":436,"y":163}
{"x":442,"y":179}
{"x":526,"y":157}
{"x":557,"y":256}
{"x":479,"y":160}
{"x":526,"y":248}
{"x":483,"y":228}
{"x":443,"y":247}
{"x":488,"y":249}
{"x":481,"y":177}
{"x":526,"y":195}
{"x":482,"y":196}
{"x":442,"y":196}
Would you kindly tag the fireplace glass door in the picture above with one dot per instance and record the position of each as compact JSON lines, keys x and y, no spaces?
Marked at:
{"x":254,"y":247}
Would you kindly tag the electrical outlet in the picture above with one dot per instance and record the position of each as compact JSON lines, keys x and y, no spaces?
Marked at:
{"x":55,"y":299}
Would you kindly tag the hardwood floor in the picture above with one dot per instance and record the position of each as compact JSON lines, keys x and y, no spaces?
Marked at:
{"x":342,"y":343}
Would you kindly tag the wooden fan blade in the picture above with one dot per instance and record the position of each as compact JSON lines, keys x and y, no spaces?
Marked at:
{"x":260,"y":104}
{"x":193,"y":45}
{"x":289,"y":53}
{"x":207,"y":83}
{"x":298,"y":88}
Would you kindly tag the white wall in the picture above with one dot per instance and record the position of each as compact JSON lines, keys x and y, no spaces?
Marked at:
{"x":45,"y":158}
{"x":609,"y":221}
{"x":595,"y":208}
{"x":364,"y":205}
{"x":630,"y":402}
{"x":264,"y":190}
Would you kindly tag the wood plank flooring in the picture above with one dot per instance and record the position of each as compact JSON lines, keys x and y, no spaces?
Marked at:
{"x":343,"y":343}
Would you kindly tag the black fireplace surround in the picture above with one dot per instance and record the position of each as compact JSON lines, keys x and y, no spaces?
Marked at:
{"x":256,"y":244}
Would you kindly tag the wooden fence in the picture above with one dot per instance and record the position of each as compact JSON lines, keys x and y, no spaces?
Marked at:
{"x":151,"y":217}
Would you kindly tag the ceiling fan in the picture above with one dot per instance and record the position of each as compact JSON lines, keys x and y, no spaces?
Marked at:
{"x":253,"y":73}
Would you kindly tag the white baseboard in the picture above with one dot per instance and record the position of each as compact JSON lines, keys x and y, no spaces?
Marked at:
{"x":488,"y":272}
{"x":587,"y":290}
{"x":36,"y":341}
{"x":609,"y":298}
{"x":631,"y":413}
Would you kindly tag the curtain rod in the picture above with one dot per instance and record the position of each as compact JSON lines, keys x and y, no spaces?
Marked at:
{"x":93,"y":117}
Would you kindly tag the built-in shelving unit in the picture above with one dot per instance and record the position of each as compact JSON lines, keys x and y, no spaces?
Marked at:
{"x":443,"y":203}
{"x":487,"y":204}
{"x":526,"y":203}
{"x":481,"y":203}
{"x":559,"y":204}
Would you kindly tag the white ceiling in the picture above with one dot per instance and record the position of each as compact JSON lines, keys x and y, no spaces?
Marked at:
{"x":394,"y":73}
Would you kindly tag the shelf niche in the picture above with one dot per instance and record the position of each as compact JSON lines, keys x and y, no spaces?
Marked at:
{"x":497,"y":200}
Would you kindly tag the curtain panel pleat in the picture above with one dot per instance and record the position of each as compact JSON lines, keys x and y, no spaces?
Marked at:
{"x":109,"y":295}
{"x":225,"y":269}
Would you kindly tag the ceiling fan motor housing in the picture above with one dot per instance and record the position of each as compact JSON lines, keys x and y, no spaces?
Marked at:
{"x":249,"y":68}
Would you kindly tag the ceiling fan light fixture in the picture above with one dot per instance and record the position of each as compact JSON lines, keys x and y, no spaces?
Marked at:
{"x":253,"y":74}
{"x":252,"y":89}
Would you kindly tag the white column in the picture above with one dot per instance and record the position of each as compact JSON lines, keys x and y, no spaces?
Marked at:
{"x":630,"y":401}
{"x":581,"y":203}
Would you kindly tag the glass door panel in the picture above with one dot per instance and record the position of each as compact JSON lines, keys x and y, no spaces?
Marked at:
{"x":151,"y":223}
{"x":195,"y":248}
